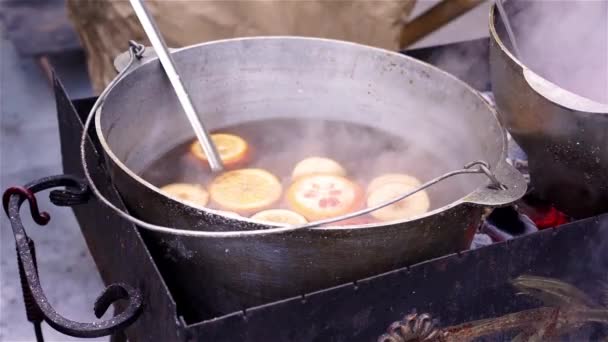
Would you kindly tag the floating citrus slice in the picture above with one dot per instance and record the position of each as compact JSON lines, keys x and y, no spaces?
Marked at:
{"x":323,"y":196}
{"x":245,"y":190}
{"x":231,"y":148}
{"x":392,"y":178}
{"x":282,"y":216}
{"x":414,"y":205}
{"x":190,"y":193}
{"x":317,"y":166}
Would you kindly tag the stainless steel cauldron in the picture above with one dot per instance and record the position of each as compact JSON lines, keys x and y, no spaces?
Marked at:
{"x":241,"y":80}
{"x":564,"y":135}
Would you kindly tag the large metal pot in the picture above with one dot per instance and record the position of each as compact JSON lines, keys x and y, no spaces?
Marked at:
{"x":241,"y":80}
{"x":564,"y":135}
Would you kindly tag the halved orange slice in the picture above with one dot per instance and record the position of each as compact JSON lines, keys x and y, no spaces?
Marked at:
{"x":416,"y":204}
{"x":245,"y":190}
{"x":323,"y":196}
{"x":282,"y":216}
{"x":232,"y":148}
{"x":392,"y":178}
{"x":190,"y":193}
{"x":317,"y":166}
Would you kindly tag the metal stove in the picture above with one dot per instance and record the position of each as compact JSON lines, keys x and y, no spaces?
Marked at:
{"x":529,"y":274}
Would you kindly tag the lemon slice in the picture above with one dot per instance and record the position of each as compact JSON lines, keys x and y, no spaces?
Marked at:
{"x":245,"y":190}
{"x":392,"y":178}
{"x":416,"y":204}
{"x":317,"y":166}
{"x":189,"y":193}
{"x":231,"y":148}
{"x":282,"y":216}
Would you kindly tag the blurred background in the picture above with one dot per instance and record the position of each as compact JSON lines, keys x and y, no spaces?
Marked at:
{"x":38,"y":37}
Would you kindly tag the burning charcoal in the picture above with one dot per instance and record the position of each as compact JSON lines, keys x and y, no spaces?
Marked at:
{"x":530,"y":225}
{"x":543,"y":214}
{"x":507,"y":219}
{"x":481,"y":240}
{"x":505,"y":223}
{"x":496,"y":234}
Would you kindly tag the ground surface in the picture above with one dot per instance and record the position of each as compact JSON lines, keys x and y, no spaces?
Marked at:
{"x":29,"y":149}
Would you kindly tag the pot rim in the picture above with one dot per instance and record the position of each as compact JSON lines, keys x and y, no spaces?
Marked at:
{"x":552,"y":92}
{"x":481,"y":190}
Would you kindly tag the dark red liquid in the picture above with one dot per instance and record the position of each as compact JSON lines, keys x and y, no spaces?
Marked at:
{"x":278,"y":145}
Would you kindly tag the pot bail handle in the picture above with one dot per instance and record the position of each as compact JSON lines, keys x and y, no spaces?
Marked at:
{"x":513,"y":187}
{"x":37,"y":305}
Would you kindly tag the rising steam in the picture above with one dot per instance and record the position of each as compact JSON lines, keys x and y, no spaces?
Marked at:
{"x":566,"y":42}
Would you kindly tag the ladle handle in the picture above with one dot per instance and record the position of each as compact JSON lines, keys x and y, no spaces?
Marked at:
{"x":182,"y":95}
{"x":506,"y":22}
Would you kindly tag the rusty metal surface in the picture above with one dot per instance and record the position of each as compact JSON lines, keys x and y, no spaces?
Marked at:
{"x":38,"y":27}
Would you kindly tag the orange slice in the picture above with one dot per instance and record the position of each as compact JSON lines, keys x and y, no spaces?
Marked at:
{"x":245,"y":190}
{"x":323,"y":196}
{"x":392,"y":178}
{"x":317,"y":166}
{"x":416,"y":204}
{"x":232,"y":148}
{"x":282,"y":216}
{"x":193,"y":194}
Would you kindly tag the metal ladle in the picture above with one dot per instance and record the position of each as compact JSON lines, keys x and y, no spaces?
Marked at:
{"x":507,"y":24}
{"x":168,"y":64}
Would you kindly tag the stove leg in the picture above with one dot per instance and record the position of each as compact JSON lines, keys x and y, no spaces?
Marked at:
{"x":32,"y":311}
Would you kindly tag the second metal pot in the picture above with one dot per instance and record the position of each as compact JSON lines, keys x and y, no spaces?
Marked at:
{"x":564,"y":135}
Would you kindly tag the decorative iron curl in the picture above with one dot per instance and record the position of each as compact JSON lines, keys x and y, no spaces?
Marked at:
{"x":76,"y":193}
{"x":412,"y":328}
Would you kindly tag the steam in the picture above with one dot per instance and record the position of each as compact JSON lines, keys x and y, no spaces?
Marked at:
{"x":566,"y":42}
{"x":468,"y":62}
{"x":279,"y":144}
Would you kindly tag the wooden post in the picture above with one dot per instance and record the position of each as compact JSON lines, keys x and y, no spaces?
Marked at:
{"x":433,"y":19}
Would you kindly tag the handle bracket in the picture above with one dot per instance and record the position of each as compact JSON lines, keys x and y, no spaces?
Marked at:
{"x":38,"y":307}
